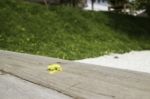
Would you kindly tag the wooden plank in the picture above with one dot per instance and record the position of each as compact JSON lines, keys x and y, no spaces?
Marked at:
{"x":14,"y":88}
{"x":80,"y":81}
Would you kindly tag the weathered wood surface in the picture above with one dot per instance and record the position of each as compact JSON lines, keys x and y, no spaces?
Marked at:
{"x":14,"y":88}
{"x":79,"y":81}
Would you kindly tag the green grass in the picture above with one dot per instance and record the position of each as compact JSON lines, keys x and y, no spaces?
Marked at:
{"x":69,"y":33}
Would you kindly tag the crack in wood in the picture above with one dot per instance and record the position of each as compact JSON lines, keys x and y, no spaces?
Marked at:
{"x":2,"y":72}
{"x":59,"y":91}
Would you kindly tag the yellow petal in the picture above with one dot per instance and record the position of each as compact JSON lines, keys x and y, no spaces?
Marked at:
{"x":54,"y":68}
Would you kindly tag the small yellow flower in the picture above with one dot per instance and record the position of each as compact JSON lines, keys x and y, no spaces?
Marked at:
{"x":54,"y":68}
{"x":23,"y":29}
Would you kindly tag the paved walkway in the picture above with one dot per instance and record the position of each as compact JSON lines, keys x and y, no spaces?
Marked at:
{"x":12,"y":87}
{"x":134,"y":60}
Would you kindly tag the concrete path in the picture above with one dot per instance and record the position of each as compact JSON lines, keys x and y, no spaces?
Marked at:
{"x":78,"y":81}
{"x":15,"y":88}
{"x":134,"y":60}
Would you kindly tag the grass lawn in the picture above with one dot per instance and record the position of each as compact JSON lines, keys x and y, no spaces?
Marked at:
{"x":69,"y":33}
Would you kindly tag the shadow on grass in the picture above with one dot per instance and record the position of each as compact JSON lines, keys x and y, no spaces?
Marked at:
{"x":134,"y":27}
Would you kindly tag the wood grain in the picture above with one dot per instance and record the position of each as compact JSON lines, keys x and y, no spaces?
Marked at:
{"x":79,"y":81}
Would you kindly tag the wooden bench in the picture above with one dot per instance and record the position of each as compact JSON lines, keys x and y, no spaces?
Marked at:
{"x":77,"y":81}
